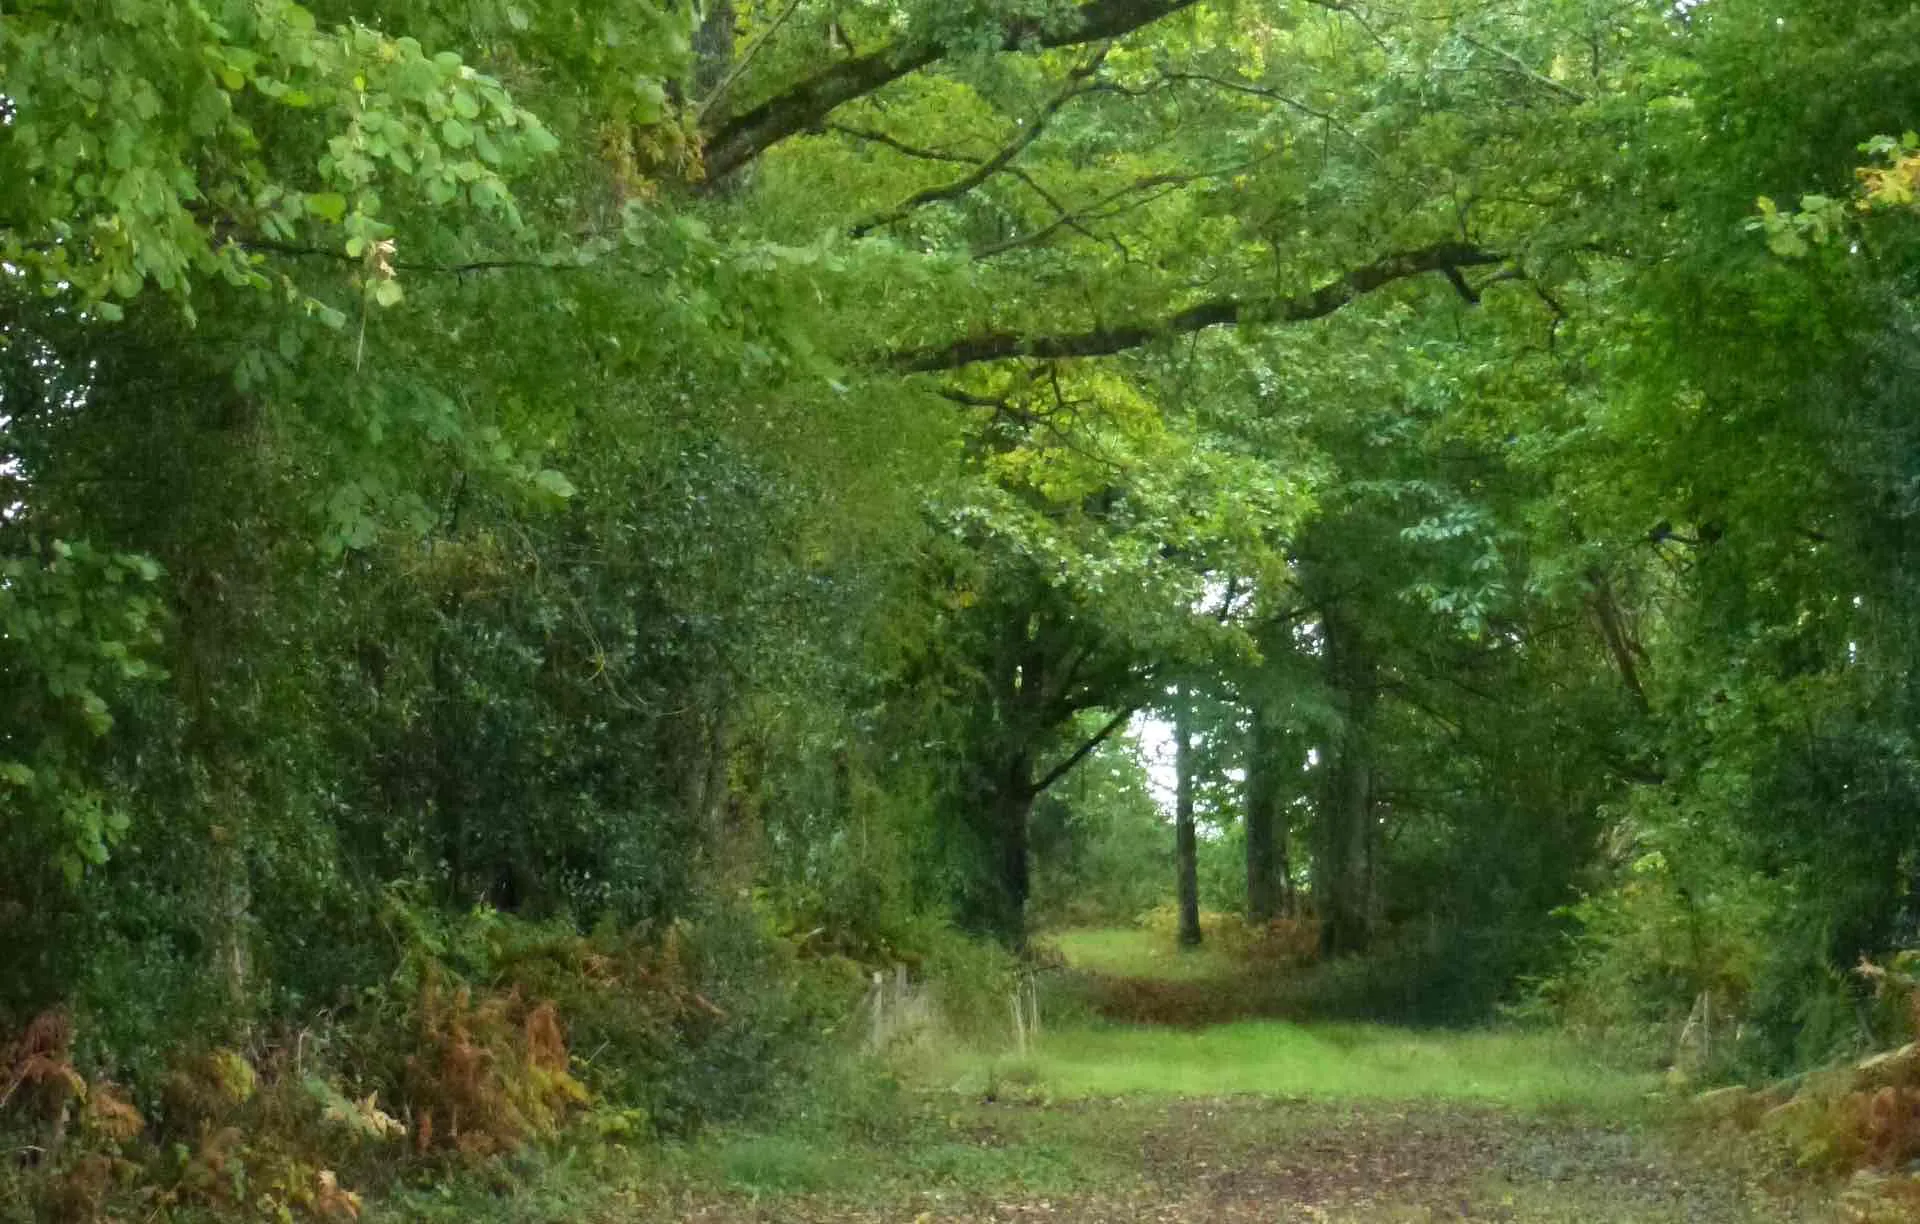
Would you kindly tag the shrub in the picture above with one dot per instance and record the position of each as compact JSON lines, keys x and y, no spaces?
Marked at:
{"x":486,"y":1075}
{"x":1857,"y":1118}
{"x":467,"y":1053}
{"x":1658,"y":950}
{"x":973,"y":982}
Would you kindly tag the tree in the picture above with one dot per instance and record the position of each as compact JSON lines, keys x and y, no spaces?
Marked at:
{"x":1185,"y":840}
{"x":1276,"y":762}
{"x":557,"y":458}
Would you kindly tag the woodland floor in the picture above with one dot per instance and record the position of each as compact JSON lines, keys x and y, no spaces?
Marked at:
{"x":1248,"y":1118}
{"x":1251,"y":1158}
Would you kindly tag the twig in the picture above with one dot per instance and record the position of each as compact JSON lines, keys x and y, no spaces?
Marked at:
{"x":746,"y":60}
{"x":987,"y":169}
{"x":1524,"y":69}
{"x":1074,"y":220}
{"x":1274,"y":95}
{"x":895,"y":143}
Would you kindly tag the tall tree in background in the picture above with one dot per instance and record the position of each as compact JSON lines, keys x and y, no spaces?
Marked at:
{"x":1275,"y":767}
{"x":1186,"y":846}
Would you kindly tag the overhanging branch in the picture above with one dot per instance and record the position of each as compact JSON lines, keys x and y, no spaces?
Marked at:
{"x":1029,"y":132}
{"x":743,"y":137}
{"x":900,"y":146}
{"x":1083,"y":751}
{"x":1140,"y":192}
{"x":1218,"y":312}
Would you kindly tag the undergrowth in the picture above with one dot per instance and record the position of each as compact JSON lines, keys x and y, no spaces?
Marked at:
{"x":493,"y":1040}
{"x":1852,"y":1120}
{"x":525,"y":1071}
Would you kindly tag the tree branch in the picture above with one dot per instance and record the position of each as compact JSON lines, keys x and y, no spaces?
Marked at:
{"x":873,"y":136}
{"x":1621,"y":647}
{"x":1218,"y":312}
{"x":1273,"y":95}
{"x":1525,"y":70}
{"x":1083,"y":751}
{"x":742,"y":137}
{"x":895,"y":143}
{"x":970,"y":400}
{"x":746,"y":61}
{"x":1102,"y":208}
{"x":1069,"y":219}
{"x":1076,"y":85}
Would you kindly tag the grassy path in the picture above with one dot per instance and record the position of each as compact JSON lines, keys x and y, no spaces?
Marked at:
{"x":1238,"y":1121}
{"x":1236,"y":1159}
{"x":1255,"y":1120}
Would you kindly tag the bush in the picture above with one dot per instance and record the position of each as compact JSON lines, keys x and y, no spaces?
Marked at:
{"x":1655,"y":950}
{"x":1856,"y":1119}
{"x":493,"y":1035}
{"x":244,"y":1140}
{"x":709,"y":1019}
{"x":973,"y":982}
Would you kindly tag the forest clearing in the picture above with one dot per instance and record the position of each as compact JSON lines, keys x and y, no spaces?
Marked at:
{"x":629,"y":610}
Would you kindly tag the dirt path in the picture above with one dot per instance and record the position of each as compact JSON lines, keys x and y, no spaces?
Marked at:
{"x":1247,"y":1159}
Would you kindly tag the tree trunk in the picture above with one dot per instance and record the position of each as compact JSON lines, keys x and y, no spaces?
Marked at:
{"x":1266,"y":851}
{"x":208,"y":622}
{"x":1016,"y":814}
{"x":448,"y":794}
{"x":1186,"y":844}
{"x":1005,"y":795}
{"x":713,"y":48}
{"x":1345,"y":903}
{"x":1344,"y":878}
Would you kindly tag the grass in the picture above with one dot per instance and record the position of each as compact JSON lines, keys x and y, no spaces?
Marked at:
{"x":1308,"y":1062}
{"x":1068,"y":1118}
{"x":1136,"y":953}
{"x":1176,"y":1160}
{"x":937,"y":1144}
{"x":1100,"y":1121}
{"x":1313,"y":1061}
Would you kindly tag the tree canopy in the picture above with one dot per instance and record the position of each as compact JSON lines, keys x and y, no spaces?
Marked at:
{"x":600,"y":462}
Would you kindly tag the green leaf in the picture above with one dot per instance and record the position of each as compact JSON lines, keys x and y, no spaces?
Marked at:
{"x":329,"y":206}
{"x":1786,"y":243}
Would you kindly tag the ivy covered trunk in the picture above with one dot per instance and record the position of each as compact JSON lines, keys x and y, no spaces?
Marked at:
{"x":1266,"y":846}
{"x":1344,"y":879}
{"x":999,"y":795}
{"x":1013,"y":815}
{"x":1186,"y":842}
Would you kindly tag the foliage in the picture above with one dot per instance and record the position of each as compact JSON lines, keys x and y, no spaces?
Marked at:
{"x":1853,"y":1118}
{"x":77,"y":629}
{"x":1099,"y":844}
{"x":472,"y":1052}
{"x":509,"y":509}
